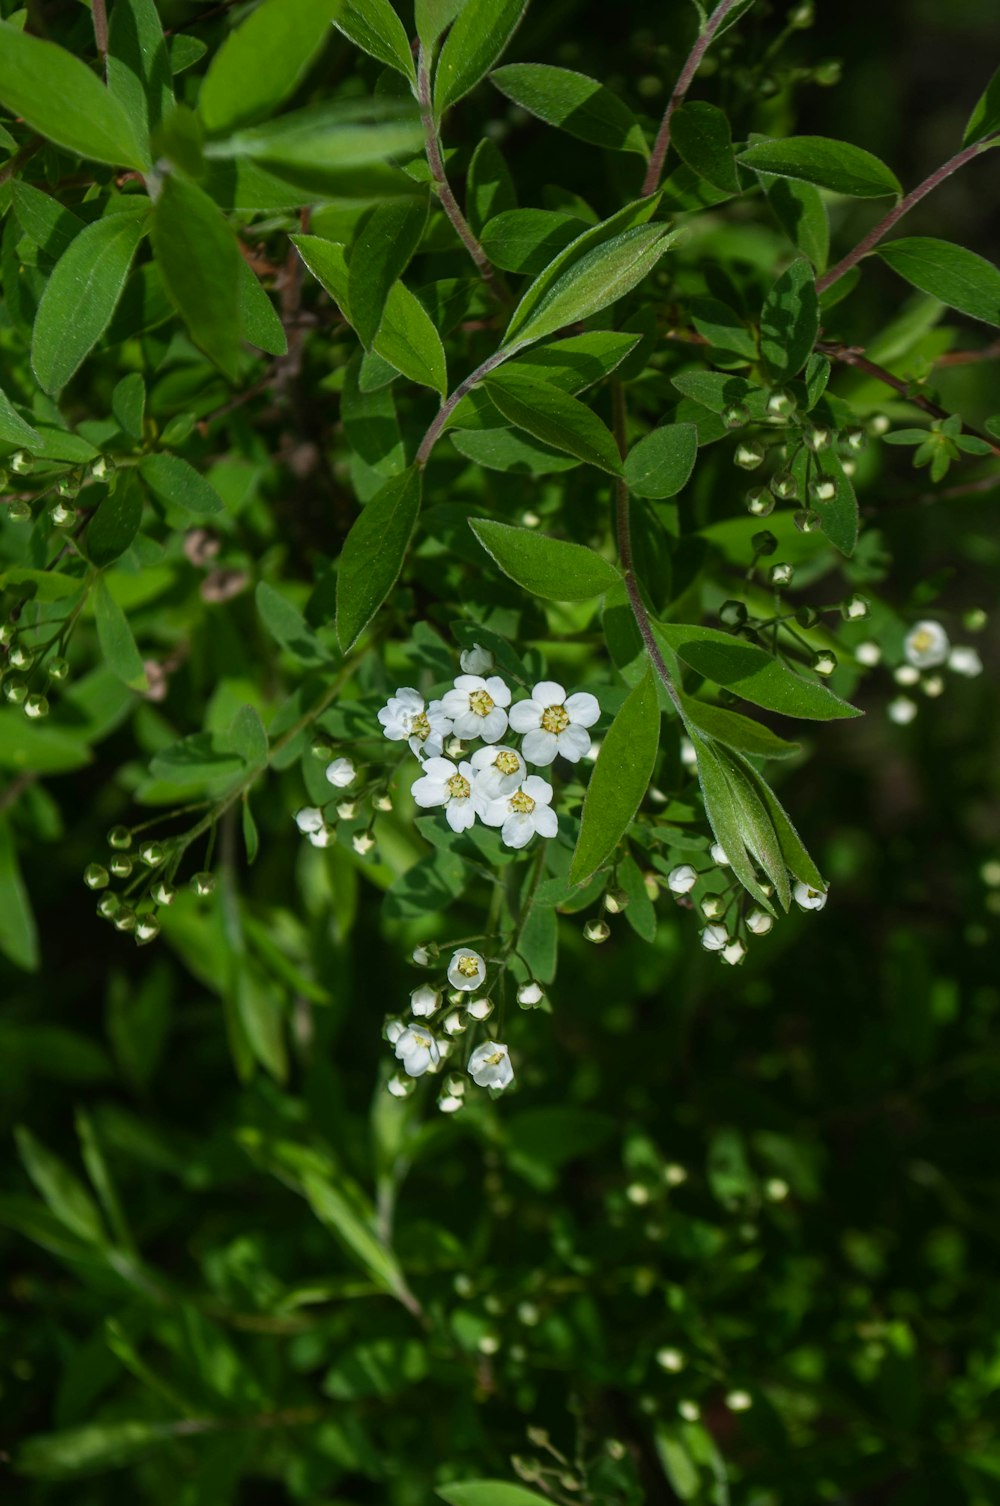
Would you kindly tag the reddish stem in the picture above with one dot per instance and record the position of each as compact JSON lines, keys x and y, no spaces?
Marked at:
{"x":662,"y":143}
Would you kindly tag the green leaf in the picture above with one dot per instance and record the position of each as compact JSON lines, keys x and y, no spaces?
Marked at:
{"x":259,"y":323}
{"x":577,"y":362}
{"x":957,"y":277}
{"x":374,"y":26}
{"x":200,"y":263}
{"x":575,"y":103}
{"x":796,"y":858}
{"x":40,"y":585}
{"x":195,"y":760}
{"x":551,"y":568}
{"x":789,"y":321}
{"x":382,"y":248}
{"x":489,"y":1493}
{"x":736,"y":731}
{"x":13,"y":428}
{"x":731,"y":825}
{"x":620,"y":779}
{"x":128,"y":404}
{"x":701,"y":135}
{"x":18,"y":932}
{"x":479,"y":36}
{"x":800,"y":211}
{"x":175,"y":483}
{"x":985,"y":118}
{"x":433,"y":17}
{"x":373,"y":553}
{"x":138,"y":66}
{"x":526,"y":240}
{"x":836,"y":165}
{"x":116,"y":522}
{"x":262,"y":61}
{"x":81,"y":295}
{"x":723,"y":327}
{"x":713,"y":389}
{"x":64,"y":1193}
{"x":313,"y":145}
{"x":43,"y":750}
{"x":116,"y":640}
{"x":342,"y":1217}
{"x":756,"y":826}
{"x":510,"y":450}
{"x":594,"y":271}
{"x":44,"y":220}
{"x":57,"y":95}
{"x":838,"y":517}
{"x":752,"y":673}
{"x":660,"y":464}
{"x":94,"y":1447}
{"x":489,"y":187}
{"x":245,"y":736}
{"x":555,"y":418}
{"x":288,"y":627}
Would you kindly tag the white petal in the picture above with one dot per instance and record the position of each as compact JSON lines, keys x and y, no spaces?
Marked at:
{"x":439,"y":768}
{"x":468,"y":724}
{"x":540,"y":747}
{"x":499,"y":690}
{"x":411,"y":699}
{"x":493,"y":812}
{"x":583,"y":708}
{"x":454,"y":702}
{"x":526,"y":716}
{"x":461,"y":814}
{"x":548,"y":693}
{"x":428,"y":792}
{"x":546,"y":821}
{"x":494,"y":725}
{"x":537,"y":789}
{"x":517,"y":831}
{"x":574,"y":742}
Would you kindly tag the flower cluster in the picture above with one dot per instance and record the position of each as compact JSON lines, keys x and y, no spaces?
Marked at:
{"x":927,"y":653}
{"x":729,"y":929}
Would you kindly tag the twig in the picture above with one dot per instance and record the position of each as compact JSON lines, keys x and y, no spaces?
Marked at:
{"x":662,"y":143}
{"x":448,"y":407}
{"x":12,"y":794}
{"x":903,"y":207}
{"x":989,"y":352}
{"x":99,"y":12}
{"x":435,"y":161}
{"x":21,"y":156}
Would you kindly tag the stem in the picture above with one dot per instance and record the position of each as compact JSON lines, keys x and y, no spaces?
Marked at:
{"x":449,"y":405}
{"x":435,"y":161}
{"x":683,"y":84}
{"x":903,"y":207}
{"x":98,"y":9}
{"x":624,"y":535}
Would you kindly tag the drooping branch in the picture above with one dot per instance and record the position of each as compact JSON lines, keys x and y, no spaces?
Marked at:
{"x":662,"y":143}
{"x":449,"y":405}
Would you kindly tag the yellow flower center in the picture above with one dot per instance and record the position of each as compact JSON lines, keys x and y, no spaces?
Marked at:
{"x":494,"y":1060}
{"x":458,"y":787}
{"x":468,"y":965}
{"x":922,"y":641}
{"x":420,"y":727}
{"x":555,"y":719}
{"x":506,"y":762}
{"x":481,"y":702}
{"x":521,"y":804}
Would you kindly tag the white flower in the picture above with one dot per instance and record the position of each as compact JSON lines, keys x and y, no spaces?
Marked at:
{"x":442,"y":784}
{"x":529,"y":994}
{"x":498,"y":772}
{"x":554,"y":723}
{"x":323,"y":837}
{"x":476,"y":660}
{"x":466,"y":970}
{"x":421,"y":956}
{"x":759,"y":922}
{"x":407,"y":716}
{"x":902,"y":710}
{"x":489,"y":1066}
{"x":478,"y":707}
{"x":347,"y":810}
{"x":479,"y":1009}
{"x":718,"y":855}
{"x":868,"y":653}
{"x":520,"y":815}
{"x":682,"y":880}
{"x":808,"y":898}
{"x":926,"y":645}
{"x":965,"y":661}
{"x":714,"y":938}
{"x":363,"y":843}
{"x":734,"y":953}
{"x":309,"y":819}
{"x":340,"y":773}
{"x":424,"y":1000}
{"x":392,"y":1029}
{"x":417,"y":1049}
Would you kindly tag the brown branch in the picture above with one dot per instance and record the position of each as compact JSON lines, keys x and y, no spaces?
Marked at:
{"x":989,"y":352}
{"x":21,"y":156}
{"x":99,"y":12}
{"x":662,"y":143}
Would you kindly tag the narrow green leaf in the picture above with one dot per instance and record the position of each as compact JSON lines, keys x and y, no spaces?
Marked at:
{"x":288,"y":627}
{"x":797,"y":859}
{"x":736,"y":731}
{"x":723,"y":328}
{"x":575,"y":103}
{"x":177,"y":484}
{"x":488,"y":1493}
{"x":433,"y":17}
{"x":251,"y":836}
{"x":94,"y":1447}
{"x":985,"y":118}
{"x":800,"y":211}
{"x":620,"y":779}
{"x":752,"y":673}
{"x":373,"y":553}
{"x":116,"y":522}
{"x":957,"y":277}
{"x":81,"y":295}
{"x":44,"y":220}
{"x":836,"y":165}
{"x":18,"y":932}
{"x":259,"y":322}
{"x":374,"y":26}
{"x":128,"y":404}
{"x":64,"y":1193}
{"x":556,"y":419}
{"x":200,"y":263}
{"x":479,"y":36}
{"x":789,"y":321}
{"x":722,"y":808}
{"x":57,"y":95}
{"x":116,"y":640}
{"x":551,"y":568}
{"x":525,"y":240}
{"x":14,"y":429}
{"x":382,"y":248}
{"x":700,"y":134}
{"x":838,"y":516}
{"x":489,"y":187}
{"x":340,"y":1215}
{"x":660,"y":464}
{"x":262,"y":61}
{"x":756,"y":826}
{"x":195,"y":760}
{"x":138,"y":65}
{"x":510,"y":450}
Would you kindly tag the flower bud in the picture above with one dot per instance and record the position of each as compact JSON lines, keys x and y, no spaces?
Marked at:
{"x":855,"y":609}
{"x":147,"y":928}
{"x":21,"y":463}
{"x":152,"y":853}
{"x":682,"y":880}
{"x":615,"y":901}
{"x":424,"y":1001}
{"x":529,"y":995}
{"x":713,"y":906}
{"x":718,"y":855}
{"x":164,"y":893}
{"x":736,"y":416}
{"x":363,"y":843}
{"x":20,"y":657}
{"x":108,"y":906}
{"x":124,"y":918}
{"x":714,"y":938}
{"x":764,"y":543}
{"x":824,"y":662}
{"x":817,"y":439}
{"x":7,"y":634}
{"x":61,"y":516}
{"x":759,"y":502}
{"x":479,"y":1009}
{"x":401,"y":1086}
{"x":734,"y":953}
{"x":347,"y":810}
{"x":784,"y":486}
{"x":855,"y":438}
{"x":19,"y":510}
{"x":103,"y":468}
{"x":759,"y":922}
{"x":733,"y":613}
{"x":36,"y":706}
{"x":121,"y":866}
{"x":780,"y":405}
{"x":780,"y":575}
{"x":476,"y":661}
{"x":96,"y":876}
{"x":321,"y":750}
{"x":203,"y":883}
{"x":120,"y":837}
{"x":382,"y":802}
{"x":902,"y":710}
{"x":749,"y":455}
{"x":671,"y":1360}
{"x":15,"y":691}
{"x":975,"y":620}
{"x":58,"y":669}
{"x":869,"y":654}
{"x":596,"y":931}
{"x":932,"y":686}
{"x":805,"y":520}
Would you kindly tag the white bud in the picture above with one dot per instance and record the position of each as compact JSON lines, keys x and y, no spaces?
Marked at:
{"x":689,"y":757}
{"x":932,"y":686}
{"x":340,"y":773}
{"x":965,"y":661}
{"x":718,"y":855}
{"x":363,"y":843}
{"x":682,"y":880}
{"x":734,"y":953}
{"x":739,"y":1401}
{"x":906,"y":674}
{"x":670,"y":1359}
{"x":714,"y":938}
{"x":347,"y":810}
{"x":309,"y":819}
{"x":869,"y":654}
{"x":382,"y":803}
{"x":902,"y":710}
{"x":808,"y":898}
{"x":759,"y":922}
{"x":476,"y":661}
{"x":776,"y":1189}
{"x":529,"y":994}
{"x":424,"y":1001}
{"x":479,"y":1009}
{"x":689,"y":1410}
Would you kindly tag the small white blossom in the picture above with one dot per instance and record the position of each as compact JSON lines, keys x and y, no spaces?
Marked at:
{"x":476,"y":660}
{"x":902,"y":710}
{"x":309,"y":819}
{"x":714,"y":938}
{"x":454,"y":1024}
{"x":418,"y":1051}
{"x":400,"y":1086}
{"x":450,"y":1103}
{"x":926,"y":645}
{"x":392,"y":1029}
{"x":739,"y":1401}
{"x":682,"y":880}
{"x":906,"y":674}
{"x":520,"y":815}
{"x":479,"y":1009}
{"x":340,"y":773}
{"x":718,"y":855}
{"x":324,"y":837}
{"x":965,"y":661}
{"x":442,"y":784}
{"x":347,"y":810}
{"x":529,"y":994}
{"x":424,"y":1001}
{"x":759,"y":922}
{"x":498,"y":772}
{"x":406,"y":716}
{"x":689,"y":1410}
{"x":478,"y":707}
{"x":555,"y":723}
{"x":932,"y":686}
{"x":382,"y":802}
{"x":489,"y":1066}
{"x":868,"y":653}
{"x":421,"y":956}
{"x":466,"y":970}
{"x":808,"y":898}
{"x":363,"y":843}
{"x":734,"y":953}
